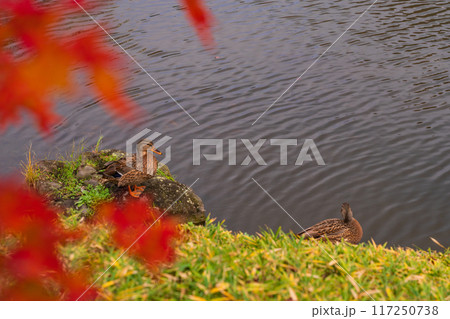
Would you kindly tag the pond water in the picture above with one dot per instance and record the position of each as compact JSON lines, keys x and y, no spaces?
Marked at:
{"x":376,"y":105}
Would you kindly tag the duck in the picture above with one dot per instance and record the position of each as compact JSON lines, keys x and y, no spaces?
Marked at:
{"x":334,"y":229}
{"x":138,"y":172}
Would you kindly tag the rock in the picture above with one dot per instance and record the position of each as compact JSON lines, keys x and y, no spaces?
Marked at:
{"x":118,"y":154}
{"x":93,"y":182}
{"x":84,"y":211}
{"x":49,"y":166}
{"x":168,"y":194}
{"x":46,"y":183}
{"x":98,"y":159}
{"x":65,"y":204}
{"x":47,"y":187}
{"x":85,"y":171}
{"x":163,"y":168}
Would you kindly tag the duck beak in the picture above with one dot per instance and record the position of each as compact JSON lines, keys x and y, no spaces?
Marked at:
{"x":154,"y":150}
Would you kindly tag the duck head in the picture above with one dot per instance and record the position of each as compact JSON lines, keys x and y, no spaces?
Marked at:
{"x":146,"y":145}
{"x":346,"y":211}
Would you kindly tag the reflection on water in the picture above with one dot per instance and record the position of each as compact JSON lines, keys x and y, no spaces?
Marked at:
{"x":376,"y":105}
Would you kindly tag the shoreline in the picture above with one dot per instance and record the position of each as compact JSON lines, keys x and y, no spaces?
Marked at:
{"x":213,"y":263}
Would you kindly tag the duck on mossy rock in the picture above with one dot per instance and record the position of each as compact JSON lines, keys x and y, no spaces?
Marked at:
{"x":165,"y":193}
{"x":138,"y":172}
{"x":334,"y":229}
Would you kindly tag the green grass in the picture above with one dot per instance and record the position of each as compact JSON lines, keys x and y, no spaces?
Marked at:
{"x":109,"y":158}
{"x":72,"y":218}
{"x":99,"y":142}
{"x":73,"y":158}
{"x":216,"y":264}
{"x":160,"y":172}
{"x":93,"y":195}
{"x":30,"y":172}
{"x":71,"y":186}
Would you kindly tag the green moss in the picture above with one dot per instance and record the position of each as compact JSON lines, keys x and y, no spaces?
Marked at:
{"x":71,"y":186}
{"x":72,"y":218}
{"x":110,"y":157}
{"x":93,"y":195}
{"x":162,"y":173}
{"x":216,"y":264}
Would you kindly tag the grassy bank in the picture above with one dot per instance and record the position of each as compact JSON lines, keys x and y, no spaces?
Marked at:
{"x":63,"y":174}
{"x":216,"y":264}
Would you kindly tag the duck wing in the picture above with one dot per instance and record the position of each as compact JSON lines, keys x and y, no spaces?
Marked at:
{"x":133,"y":177}
{"x":332,"y":228}
{"x":116,"y":168}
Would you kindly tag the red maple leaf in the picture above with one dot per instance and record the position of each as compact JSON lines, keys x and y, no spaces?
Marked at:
{"x":38,"y":64}
{"x":32,"y":268}
{"x":141,"y":229}
{"x":201,"y":19}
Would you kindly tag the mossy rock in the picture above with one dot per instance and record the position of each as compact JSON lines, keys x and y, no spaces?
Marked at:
{"x":47,"y":183}
{"x":85,"y":171}
{"x":165,"y":171}
{"x":98,"y":159}
{"x":46,"y":167}
{"x":63,"y":182}
{"x":178,"y":199}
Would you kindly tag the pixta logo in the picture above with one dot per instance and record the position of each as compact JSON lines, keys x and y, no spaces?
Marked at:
{"x":143,"y":144}
{"x":307,"y":152}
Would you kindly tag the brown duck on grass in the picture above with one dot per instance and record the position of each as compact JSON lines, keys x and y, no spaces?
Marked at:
{"x":336,"y":229}
{"x":137,"y":173}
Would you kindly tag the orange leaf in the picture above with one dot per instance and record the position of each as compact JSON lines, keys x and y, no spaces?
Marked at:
{"x":201,"y":19}
{"x":42,"y":63}
{"x":32,"y":268}
{"x":136,"y":226}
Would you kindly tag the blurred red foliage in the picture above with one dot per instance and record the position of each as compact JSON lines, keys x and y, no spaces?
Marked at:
{"x":38,"y":64}
{"x":149,"y":235}
{"x":201,"y":19}
{"x":32,"y":268}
